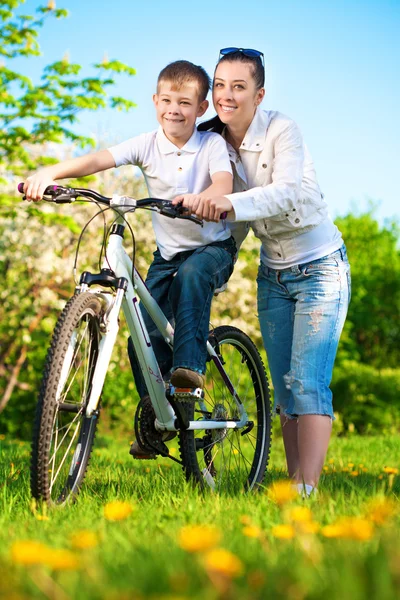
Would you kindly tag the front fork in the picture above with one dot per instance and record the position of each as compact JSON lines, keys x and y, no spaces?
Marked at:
{"x":109,"y":330}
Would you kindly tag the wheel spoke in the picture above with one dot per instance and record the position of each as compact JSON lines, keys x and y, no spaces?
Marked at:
{"x":234,"y":461}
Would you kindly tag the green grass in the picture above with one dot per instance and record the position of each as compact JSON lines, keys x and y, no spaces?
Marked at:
{"x":140,"y":557}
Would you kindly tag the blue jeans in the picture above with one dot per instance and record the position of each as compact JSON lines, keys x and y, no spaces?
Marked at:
{"x":184,"y":287}
{"x":302,"y":311}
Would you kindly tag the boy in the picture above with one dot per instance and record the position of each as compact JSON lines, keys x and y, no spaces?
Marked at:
{"x":190,"y":261}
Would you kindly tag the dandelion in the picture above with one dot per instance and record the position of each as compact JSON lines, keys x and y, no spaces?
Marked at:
{"x":308,"y":527}
{"x":350,"y":465}
{"x":2,"y":436}
{"x":117,"y":510}
{"x":198,"y":538}
{"x":252,"y":531}
{"x":61,"y":560}
{"x":283,"y":532}
{"x":352,"y":528}
{"x":223,"y":562}
{"x":28,"y":552}
{"x":31,"y":552}
{"x":282,"y":492}
{"x":42,"y":517}
{"x":380,"y":510}
{"x":300,"y":514}
{"x":84,"y":539}
{"x":391,"y":470}
{"x":354,"y":473}
{"x":331,"y":461}
{"x":245,"y":520}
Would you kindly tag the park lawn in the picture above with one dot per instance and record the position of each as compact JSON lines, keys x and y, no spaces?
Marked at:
{"x":343,"y":544}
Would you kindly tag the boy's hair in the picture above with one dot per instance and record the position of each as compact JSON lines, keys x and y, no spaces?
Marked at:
{"x":183,"y":71}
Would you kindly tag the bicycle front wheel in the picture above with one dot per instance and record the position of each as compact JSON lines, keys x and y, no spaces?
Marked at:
{"x":230,"y":460}
{"x":63,"y":436}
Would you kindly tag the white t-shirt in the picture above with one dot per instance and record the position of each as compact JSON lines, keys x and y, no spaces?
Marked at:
{"x":170,"y":171}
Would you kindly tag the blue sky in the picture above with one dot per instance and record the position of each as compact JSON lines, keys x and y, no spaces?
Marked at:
{"x":333,"y":66}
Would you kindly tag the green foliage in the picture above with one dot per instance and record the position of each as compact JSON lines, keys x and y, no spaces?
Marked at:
{"x":32,"y":114}
{"x":367,"y":398}
{"x":372,"y":330}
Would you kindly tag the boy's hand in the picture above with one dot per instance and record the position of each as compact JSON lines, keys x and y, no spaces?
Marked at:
{"x":36,"y":184}
{"x":209,"y":209}
{"x":192,"y":202}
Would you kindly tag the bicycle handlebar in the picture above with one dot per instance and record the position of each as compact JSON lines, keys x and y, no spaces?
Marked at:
{"x":63,"y":195}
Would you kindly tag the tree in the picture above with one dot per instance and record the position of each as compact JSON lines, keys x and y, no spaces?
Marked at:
{"x":33,"y":114}
{"x":372,"y":330}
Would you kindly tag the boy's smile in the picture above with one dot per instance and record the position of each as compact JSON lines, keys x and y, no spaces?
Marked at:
{"x":178,"y":109}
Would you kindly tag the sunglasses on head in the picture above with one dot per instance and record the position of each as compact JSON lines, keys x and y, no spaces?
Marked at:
{"x":246,"y":51}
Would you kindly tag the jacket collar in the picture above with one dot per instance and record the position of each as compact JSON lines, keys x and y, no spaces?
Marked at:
{"x":254,"y":140}
{"x":167,"y":147}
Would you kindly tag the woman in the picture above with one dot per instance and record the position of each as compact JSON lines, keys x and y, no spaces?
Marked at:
{"x":304,"y":274}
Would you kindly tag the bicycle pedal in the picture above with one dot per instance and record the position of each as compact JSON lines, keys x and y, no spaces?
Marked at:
{"x":187,"y":394}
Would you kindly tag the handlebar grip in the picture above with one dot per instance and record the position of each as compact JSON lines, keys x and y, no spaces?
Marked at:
{"x":21,"y":188}
{"x":223,"y":215}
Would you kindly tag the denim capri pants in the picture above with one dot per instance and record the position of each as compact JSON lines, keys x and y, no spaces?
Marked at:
{"x":302,"y":310}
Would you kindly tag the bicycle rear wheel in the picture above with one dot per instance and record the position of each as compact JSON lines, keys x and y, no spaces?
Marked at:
{"x":63,"y":436}
{"x":230,"y":460}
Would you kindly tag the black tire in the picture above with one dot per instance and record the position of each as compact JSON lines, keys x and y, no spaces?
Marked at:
{"x":230,"y":460}
{"x":63,"y":437}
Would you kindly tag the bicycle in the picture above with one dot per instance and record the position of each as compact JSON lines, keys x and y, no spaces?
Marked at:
{"x":224,"y":431}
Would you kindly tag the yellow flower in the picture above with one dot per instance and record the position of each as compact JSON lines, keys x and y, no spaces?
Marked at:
{"x":117,"y":510}
{"x":283,"y":532}
{"x":51,"y":4}
{"x":2,"y":436}
{"x":351,"y":528}
{"x":332,"y":531}
{"x":391,"y":470}
{"x":245,"y":520}
{"x":28,"y":552}
{"x":282,"y":492}
{"x":350,"y":465}
{"x":252,"y":531}
{"x":61,"y":560}
{"x":223,"y":563}
{"x":300,"y":514}
{"x":331,"y":461}
{"x":84,"y":539}
{"x":198,"y":538}
{"x":308,"y":527}
{"x":42,"y":518}
{"x":380,"y":510}
{"x":354,"y":473}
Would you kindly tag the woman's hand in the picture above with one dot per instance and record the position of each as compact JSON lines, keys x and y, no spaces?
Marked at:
{"x":36,"y":184}
{"x":209,"y":209}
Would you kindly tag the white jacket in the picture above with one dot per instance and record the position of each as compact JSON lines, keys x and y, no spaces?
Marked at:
{"x":279,"y":191}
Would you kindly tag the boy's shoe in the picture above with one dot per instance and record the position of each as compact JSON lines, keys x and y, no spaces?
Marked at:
{"x":186,"y":378}
{"x":137,"y":451}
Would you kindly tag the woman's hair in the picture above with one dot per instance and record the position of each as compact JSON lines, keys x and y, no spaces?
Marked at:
{"x":257,"y":68}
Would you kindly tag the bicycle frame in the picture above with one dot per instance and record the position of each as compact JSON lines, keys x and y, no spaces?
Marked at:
{"x":119,"y":262}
